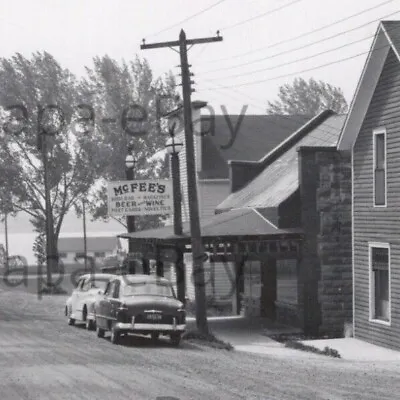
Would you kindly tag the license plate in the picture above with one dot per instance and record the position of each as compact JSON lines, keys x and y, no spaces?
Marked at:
{"x":154,"y":317}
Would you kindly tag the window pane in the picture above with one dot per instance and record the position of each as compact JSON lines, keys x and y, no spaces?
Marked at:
{"x":382,"y":295}
{"x":380,"y":151}
{"x":380,"y":186}
{"x":380,"y":258}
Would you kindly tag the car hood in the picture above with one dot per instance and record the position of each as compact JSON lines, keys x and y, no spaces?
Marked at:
{"x":152,"y":302}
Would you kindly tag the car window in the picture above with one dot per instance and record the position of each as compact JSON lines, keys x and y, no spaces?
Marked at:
{"x":99,"y":283}
{"x":148,"y":289}
{"x":117,"y":285}
{"x":80,"y":283}
{"x":110,"y":291}
{"x":86,"y":285}
{"x":107,"y":289}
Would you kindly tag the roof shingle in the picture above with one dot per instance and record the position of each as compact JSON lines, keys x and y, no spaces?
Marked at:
{"x":256,"y":136}
{"x":279,"y":179}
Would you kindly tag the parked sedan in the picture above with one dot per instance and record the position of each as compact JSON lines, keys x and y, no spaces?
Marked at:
{"x":80,"y":306}
{"x":141,"y":304}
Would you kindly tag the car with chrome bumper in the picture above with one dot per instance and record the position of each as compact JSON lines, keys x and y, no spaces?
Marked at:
{"x":140,"y":304}
{"x":80,"y":306}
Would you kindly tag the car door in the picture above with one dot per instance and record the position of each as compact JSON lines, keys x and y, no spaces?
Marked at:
{"x":114,"y":300}
{"x":82,"y":296}
{"x":75,"y":296}
{"x":104,"y":307}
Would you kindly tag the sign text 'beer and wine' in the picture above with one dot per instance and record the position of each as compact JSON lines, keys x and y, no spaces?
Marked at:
{"x":140,"y":197}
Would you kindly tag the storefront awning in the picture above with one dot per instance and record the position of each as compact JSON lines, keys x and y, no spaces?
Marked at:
{"x":237,"y":223}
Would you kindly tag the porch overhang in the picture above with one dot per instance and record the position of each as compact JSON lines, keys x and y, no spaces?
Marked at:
{"x":241,"y":231}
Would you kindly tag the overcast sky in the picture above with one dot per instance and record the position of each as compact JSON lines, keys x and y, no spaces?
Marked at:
{"x":75,"y":31}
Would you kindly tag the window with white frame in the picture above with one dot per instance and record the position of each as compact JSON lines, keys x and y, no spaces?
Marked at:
{"x":380,"y":282}
{"x":380,"y":167}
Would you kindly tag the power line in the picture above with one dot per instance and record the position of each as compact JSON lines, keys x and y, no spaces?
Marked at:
{"x":328,"y":126}
{"x":301,"y":35}
{"x":298,"y":72}
{"x":301,"y":47}
{"x":259,"y":16}
{"x":188,"y":18}
{"x":292,"y":62}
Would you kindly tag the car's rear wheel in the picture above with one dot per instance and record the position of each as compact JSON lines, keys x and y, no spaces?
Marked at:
{"x":89,"y":324}
{"x":100,"y":332}
{"x":176,"y":339}
{"x":155,"y":336}
{"x":115,"y":335}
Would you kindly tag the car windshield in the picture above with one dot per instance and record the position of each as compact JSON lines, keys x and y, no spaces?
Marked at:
{"x":148,"y":289}
{"x":99,"y":283}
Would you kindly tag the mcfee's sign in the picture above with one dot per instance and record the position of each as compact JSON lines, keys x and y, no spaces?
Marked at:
{"x":140,"y":197}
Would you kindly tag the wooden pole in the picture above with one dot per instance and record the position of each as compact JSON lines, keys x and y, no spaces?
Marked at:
{"x":197,"y":247}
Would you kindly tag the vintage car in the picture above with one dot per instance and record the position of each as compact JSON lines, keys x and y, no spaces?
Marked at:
{"x":140,"y":304}
{"x":80,"y":305}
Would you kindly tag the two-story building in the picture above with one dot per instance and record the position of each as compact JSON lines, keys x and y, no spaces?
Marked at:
{"x":372,"y":133}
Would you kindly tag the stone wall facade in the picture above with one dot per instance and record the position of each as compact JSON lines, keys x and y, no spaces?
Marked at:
{"x":325,"y":274}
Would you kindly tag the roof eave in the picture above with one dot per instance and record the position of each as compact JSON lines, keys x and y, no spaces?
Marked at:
{"x":365,"y":88}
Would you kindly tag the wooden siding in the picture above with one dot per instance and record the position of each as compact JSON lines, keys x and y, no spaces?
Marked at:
{"x":211,"y":193}
{"x":378,"y":224}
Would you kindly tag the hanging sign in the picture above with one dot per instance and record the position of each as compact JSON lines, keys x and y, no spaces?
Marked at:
{"x":140,"y":197}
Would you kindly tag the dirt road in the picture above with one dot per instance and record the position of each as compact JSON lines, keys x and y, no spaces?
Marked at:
{"x":41,"y":357}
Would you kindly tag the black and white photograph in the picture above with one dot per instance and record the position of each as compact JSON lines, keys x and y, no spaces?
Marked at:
{"x":198,"y":200}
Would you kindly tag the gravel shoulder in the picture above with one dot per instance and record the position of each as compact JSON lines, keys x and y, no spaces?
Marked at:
{"x":41,"y":357}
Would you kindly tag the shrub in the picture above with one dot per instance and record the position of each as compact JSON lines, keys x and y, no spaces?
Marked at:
{"x":327,"y":351}
{"x":207,"y":339}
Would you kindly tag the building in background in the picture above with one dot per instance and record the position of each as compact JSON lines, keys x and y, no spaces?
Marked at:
{"x":71,"y":249}
{"x":220,"y":138}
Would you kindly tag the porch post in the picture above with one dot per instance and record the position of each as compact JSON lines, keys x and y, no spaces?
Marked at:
{"x":159,"y":262}
{"x":180,"y":275}
{"x":239,"y":269}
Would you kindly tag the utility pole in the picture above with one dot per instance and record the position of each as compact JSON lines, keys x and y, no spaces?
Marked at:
{"x":130,"y":162}
{"x":197,"y":246}
{"x":84,"y":233}
{"x":6,"y":233}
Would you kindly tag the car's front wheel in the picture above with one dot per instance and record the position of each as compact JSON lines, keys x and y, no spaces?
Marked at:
{"x":176,"y":339}
{"x":68,"y":312}
{"x":90,"y":324}
{"x":100,"y":332}
{"x":115,"y":335}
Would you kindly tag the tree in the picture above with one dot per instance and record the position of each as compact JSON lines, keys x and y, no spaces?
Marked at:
{"x":30,"y":90}
{"x":308,"y":98}
{"x":122,"y":91}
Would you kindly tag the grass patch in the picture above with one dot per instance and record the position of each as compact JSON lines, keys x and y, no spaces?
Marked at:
{"x":213,"y":310}
{"x":209,"y":340}
{"x":327,"y":351}
{"x":53,"y":290}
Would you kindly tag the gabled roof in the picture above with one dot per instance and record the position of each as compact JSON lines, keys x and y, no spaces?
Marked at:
{"x":256,"y":136}
{"x":98,"y":244}
{"x":386,"y":38}
{"x":280,"y":178}
{"x":240,"y":222}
